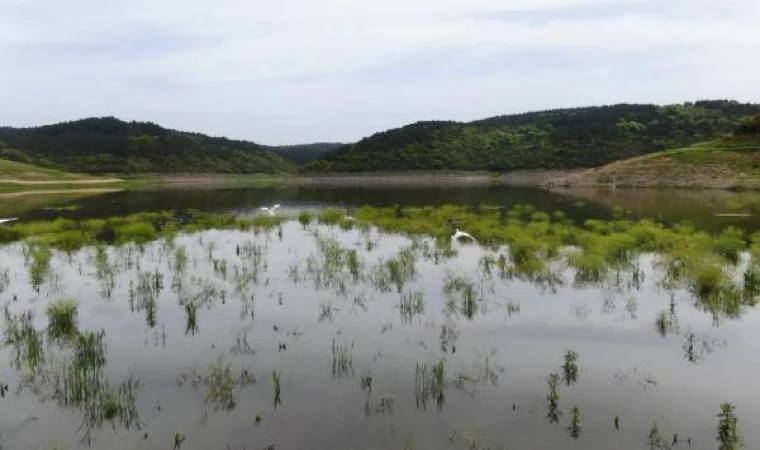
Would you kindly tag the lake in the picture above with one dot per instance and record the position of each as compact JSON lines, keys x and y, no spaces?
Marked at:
{"x":318,"y":336}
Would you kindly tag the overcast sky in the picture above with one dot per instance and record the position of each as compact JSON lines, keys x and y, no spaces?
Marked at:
{"x":292,"y":71}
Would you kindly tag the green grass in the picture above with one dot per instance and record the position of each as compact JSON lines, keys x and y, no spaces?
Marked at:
{"x":11,"y":170}
{"x":62,"y":319}
{"x":737,"y":152}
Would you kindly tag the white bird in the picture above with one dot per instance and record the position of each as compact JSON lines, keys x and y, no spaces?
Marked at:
{"x":271,"y":210}
{"x":462,"y":235}
{"x":8,"y":220}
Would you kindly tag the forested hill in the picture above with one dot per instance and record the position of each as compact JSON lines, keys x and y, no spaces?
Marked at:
{"x":554,"y":139}
{"x":109,"y":145}
{"x":303,"y":153}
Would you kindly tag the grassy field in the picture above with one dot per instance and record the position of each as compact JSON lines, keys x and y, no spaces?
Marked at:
{"x":729,"y":163}
{"x":741,"y":153}
{"x":12,"y":172}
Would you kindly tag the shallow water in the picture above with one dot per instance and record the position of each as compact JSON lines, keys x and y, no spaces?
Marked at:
{"x":698,"y":207}
{"x":282,"y":305}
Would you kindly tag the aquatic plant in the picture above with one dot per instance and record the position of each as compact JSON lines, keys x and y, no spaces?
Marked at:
{"x":367,"y":381}
{"x":27,"y":343}
{"x":5,"y":280}
{"x":191,"y":320}
{"x":180,"y":260}
{"x":410,"y":304}
{"x":666,"y":323}
{"x":401,"y":269}
{"x":354,"y":263}
{"x":89,"y":350}
{"x":331,"y":216}
{"x":553,"y":398}
{"x":305,"y":218}
{"x":104,"y":271}
{"x":466,"y":289}
{"x":570,"y":368}
{"x":655,"y":440}
{"x":62,"y":319}
{"x":221,"y":387}
{"x":179,"y":439}
{"x":112,"y":406}
{"x":430,"y":383}
{"x":482,"y":372}
{"x":575,"y":423}
{"x":448,"y":336}
{"x":342,"y":359}
{"x":751,"y":279}
{"x":728,"y":428}
{"x":40,"y":266}
{"x":276,"y":376}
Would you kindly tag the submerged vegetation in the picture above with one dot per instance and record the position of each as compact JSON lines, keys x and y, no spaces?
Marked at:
{"x":728,"y":428}
{"x":428,"y":289}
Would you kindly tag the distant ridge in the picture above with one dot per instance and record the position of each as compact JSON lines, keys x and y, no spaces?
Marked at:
{"x":551,"y":139}
{"x":110,"y":145}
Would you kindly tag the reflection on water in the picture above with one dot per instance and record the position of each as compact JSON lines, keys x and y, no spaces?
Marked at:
{"x":316,"y":336}
{"x":707,"y":209}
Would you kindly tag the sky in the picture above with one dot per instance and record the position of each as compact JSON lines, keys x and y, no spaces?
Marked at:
{"x":296,"y":71}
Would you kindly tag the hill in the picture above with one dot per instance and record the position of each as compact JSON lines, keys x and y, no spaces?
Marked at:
{"x":726,"y":163}
{"x":109,"y":145}
{"x":301,"y":154}
{"x":554,"y":139}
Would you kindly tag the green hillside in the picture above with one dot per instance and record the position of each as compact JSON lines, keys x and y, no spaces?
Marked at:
{"x":555,"y":139}
{"x":731,"y":162}
{"x":109,"y":145}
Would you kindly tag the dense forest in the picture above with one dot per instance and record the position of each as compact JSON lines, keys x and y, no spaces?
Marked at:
{"x":303,"y":153}
{"x":109,"y":145}
{"x":554,"y":139}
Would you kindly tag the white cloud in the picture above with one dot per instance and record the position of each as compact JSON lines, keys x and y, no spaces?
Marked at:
{"x":300,"y":70}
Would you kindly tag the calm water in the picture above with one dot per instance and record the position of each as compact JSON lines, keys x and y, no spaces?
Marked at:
{"x":275,"y":302}
{"x":699,"y":207}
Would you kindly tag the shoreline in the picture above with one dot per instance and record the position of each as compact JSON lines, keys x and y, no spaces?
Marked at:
{"x":553,"y":180}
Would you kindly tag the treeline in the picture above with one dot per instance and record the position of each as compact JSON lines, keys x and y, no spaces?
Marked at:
{"x":109,"y":145}
{"x":749,"y":125}
{"x":303,"y":153}
{"x":554,"y":139}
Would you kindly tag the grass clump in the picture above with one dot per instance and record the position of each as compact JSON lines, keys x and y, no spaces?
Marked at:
{"x":575,"y":427}
{"x":430,"y":382}
{"x":728,"y":428}
{"x":276,"y":378}
{"x":40,"y":266}
{"x":331,"y":216}
{"x":305,"y":218}
{"x":19,"y":333}
{"x":410,"y":304}
{"x":62,"y":319}
{"x":221,"y":387}
{"x":570,"y":368}
{"x":554,"y":412}
{"x":343,"y":359}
